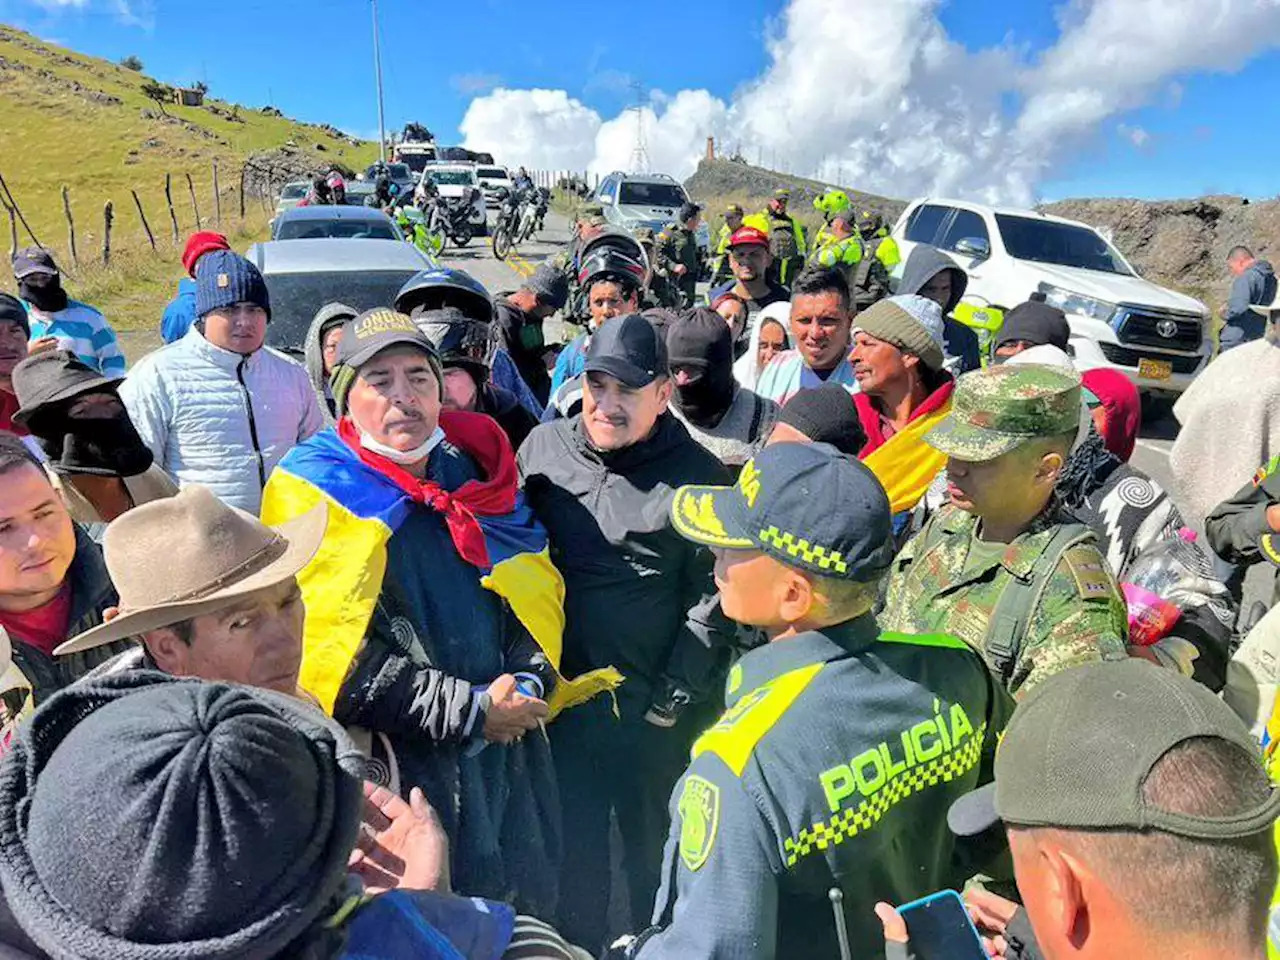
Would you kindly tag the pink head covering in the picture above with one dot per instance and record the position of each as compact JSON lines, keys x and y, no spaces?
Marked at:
{"x":1123,"y":409}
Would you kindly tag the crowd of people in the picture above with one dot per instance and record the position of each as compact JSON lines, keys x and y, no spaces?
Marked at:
{"x":724,"y":631}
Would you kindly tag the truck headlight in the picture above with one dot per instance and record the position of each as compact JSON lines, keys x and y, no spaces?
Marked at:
{"x":1077,"y":303}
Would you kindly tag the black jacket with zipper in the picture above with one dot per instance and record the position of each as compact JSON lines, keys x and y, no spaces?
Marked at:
{"x":633,"y":584}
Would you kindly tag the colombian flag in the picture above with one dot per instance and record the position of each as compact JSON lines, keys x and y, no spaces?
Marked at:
{"x":489,"y":521}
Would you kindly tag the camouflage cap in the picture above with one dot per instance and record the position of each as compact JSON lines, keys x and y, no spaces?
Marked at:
{"x":996,"y":410}
{"x":733,"y":209}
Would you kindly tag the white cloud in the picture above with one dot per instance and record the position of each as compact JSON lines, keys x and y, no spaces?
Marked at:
{"x":878,"y":94}
{"x":1140,"y":137}
{"x":473,"y":83}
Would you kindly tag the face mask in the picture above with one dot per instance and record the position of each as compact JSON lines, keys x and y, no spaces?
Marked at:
{"x":403,"y":457}
{"x":43,"y":292}
{"x":104,"y":448}
{"x":705,"y":401}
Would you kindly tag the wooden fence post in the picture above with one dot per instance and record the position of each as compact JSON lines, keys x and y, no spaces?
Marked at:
{"x":13,"y":230}
{"x":11,"y":202}
{"x":71,"y":224}
{"x":195,"y":207}
{"x":217,"y":200}
{"x":108,"y":214}
{"x":143,"y":217}
{"x":242,"y":173}
{"x":168,"y":196}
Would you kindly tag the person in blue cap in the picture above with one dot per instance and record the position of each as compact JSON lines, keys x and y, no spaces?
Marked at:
{"x":825,"y":785}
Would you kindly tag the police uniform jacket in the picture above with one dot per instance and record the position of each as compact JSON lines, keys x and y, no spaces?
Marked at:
{"x":833,"y":766}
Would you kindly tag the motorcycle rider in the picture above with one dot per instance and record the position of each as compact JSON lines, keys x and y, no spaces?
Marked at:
{"x":611,"y":282}
{"x":382,"y":197}
{"x":337,"y":188}
{"x":318,"y":195}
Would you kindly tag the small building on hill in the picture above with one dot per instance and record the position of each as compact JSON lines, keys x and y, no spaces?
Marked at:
{"x":188,"y":96}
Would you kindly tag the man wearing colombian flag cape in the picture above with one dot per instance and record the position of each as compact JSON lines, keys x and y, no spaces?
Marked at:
{"x":434,"y":616}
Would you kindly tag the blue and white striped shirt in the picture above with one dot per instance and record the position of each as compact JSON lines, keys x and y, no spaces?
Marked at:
{"x":85,"y":332}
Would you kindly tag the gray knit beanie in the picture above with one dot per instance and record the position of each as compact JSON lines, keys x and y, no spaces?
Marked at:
{"x":913,"y":324}
{"x":144,"y":817}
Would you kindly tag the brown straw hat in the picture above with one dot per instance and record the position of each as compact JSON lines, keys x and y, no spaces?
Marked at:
{"x":192,"y":554}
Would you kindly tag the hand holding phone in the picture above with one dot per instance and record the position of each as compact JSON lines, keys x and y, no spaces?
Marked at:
{"x":939,"y":928}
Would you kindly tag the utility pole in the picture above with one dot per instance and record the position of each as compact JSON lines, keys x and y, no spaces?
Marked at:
{"x":377,"y":69}
{"x":640,"y":152}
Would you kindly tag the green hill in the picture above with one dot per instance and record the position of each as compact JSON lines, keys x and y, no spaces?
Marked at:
{"x":81,"y":122}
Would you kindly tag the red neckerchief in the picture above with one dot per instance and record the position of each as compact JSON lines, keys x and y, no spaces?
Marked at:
{"x":482,"y":439}
{"x":870,"y":416}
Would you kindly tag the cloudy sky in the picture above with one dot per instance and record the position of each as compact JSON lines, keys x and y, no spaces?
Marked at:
{"x":1009,"y":100}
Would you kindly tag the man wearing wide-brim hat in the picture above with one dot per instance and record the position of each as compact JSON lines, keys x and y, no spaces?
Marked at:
{"x":209,"y":590}
{"x":97,"y":461}
{"x":434,"y":614}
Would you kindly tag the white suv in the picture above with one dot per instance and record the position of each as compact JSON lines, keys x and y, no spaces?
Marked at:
{"x":1157,"y":337}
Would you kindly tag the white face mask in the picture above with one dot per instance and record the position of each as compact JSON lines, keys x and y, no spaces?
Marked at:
{"x":403,"y":457}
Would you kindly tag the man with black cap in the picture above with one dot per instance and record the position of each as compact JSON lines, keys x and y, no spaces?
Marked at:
{"x":518,"y":331}
{"x":678,"y":255}
{"x":1032,"y":324}
{"x":826,"y":780}
{"x":1139,"y":815}
{"x":218,"y":407}
{"x":825,"y":414}
{"x":602,"y":482}
{"x":97,"y":461}
{"x":730,"y":422}
{"x":76,"y":326}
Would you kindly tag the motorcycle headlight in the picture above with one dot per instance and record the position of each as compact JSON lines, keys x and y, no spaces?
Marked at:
{"x":1077,"y":303}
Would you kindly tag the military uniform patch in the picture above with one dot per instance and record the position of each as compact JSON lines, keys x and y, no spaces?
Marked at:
{"x":1089,"y":571}
{"x":699,"y":816}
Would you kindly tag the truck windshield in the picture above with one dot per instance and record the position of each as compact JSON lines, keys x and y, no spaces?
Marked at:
{"x":1062,"y":244}
{"x":640,"y":194}
{"x":492,"y":173}
{"x":453,"y":178}
{"x":417,"y":162}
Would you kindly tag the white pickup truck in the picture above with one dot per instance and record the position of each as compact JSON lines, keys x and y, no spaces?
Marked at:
{"x":1157,"y":337}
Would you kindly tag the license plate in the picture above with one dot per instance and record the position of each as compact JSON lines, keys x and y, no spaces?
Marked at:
{"x":1150,"y":369}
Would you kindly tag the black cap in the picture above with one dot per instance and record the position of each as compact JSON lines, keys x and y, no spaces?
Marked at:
{"x":1035,"y":323}
{"x":689,"y":210}
{"x":12,"y":310}
{"x":33,"y":260}
{"x":826,"y":414}
{"x":700,"y":339}
{"x":806,"y":505}
{"x":376,"y":330}
{"x":54,"y":376}
{"x":1080,"y":746}
{"x":629,"y":349}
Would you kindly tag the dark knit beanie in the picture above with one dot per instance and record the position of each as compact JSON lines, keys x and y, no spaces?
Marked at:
{"x":146,"y":817}
{"x":224,"y":278}
{"x":11,"y":309}
{"x":826,"y":414}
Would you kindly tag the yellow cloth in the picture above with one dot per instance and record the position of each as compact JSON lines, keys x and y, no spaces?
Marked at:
{"x":905,"y":464}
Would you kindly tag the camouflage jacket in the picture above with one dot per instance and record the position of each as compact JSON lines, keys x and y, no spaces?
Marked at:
{"x":1079,"y":616}
{"x":677,"y":244}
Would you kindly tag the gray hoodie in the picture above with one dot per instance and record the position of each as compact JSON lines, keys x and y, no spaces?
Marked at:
{"x":1256,"y":285}
{"x":960,"y":342}
{"x":326,"y":318}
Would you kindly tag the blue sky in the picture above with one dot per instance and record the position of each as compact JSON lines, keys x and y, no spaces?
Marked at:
{"x":1194,"y":131}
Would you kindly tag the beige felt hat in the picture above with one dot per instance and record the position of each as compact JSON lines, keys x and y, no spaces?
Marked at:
{"x":192,"y":554}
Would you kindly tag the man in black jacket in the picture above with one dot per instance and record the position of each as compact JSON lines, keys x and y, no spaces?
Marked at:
{"x":518,"y":328}
{"x":601,"y":483}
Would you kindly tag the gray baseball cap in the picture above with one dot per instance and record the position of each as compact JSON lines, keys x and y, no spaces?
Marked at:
{"x":1079,"y":748}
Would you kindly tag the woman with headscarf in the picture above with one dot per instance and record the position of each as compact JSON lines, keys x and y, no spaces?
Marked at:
{"x":770,"y":335}
{"x":96,"y":460}
{"x":320,"y":351}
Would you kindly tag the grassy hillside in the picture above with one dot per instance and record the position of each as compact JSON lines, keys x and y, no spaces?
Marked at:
{"x":82,"y":122}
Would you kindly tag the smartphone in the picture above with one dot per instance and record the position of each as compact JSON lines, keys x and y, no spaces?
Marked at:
{"x":939,"y":928}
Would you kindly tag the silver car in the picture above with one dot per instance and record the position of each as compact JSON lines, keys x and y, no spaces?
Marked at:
{"x":328,"y":221}
{"x":292,"y":194}
{"x":635,"y":200}
{"x":303,"y":275}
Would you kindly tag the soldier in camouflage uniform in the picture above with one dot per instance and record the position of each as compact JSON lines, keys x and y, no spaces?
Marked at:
{"x":660,"y":291}
{"x":1001,"y":566}
{"x":678,"y":253}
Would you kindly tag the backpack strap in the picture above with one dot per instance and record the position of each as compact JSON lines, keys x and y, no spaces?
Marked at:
{"x":1018,"y":601}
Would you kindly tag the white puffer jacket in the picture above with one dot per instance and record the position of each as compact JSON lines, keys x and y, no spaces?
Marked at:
{"x":220,"y":419}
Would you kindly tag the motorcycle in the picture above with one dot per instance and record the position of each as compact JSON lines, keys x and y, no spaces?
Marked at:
{"x":507,"y":231}
{"x":451,"y":218}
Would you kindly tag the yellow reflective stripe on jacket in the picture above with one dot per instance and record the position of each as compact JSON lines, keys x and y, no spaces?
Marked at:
{"x":945,"y":640}
{"x":888,"y":253}
{"x":736,"y":734}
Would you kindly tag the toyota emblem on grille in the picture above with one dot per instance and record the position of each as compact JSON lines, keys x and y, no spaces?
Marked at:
{"x":1167,"y":329}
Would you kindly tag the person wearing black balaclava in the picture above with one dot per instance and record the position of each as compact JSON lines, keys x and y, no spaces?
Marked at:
{"x":75,"y":326}
{"x":96,"y":460}
{"x":725,"y":419}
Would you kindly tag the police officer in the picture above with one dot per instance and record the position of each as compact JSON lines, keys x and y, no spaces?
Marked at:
{"x":786,"y":238}
{"x":1246,"y":528}
{"x":875,"y":235}
{"x":1000,"y":565}
{"x":829,"y":204}
{"x":841,"y":748}
{"x":678,"y":252}
{"x":733,"y":215}
{"x":842,"y":246}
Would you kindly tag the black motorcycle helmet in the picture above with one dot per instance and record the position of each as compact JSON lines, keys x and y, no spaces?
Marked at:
{"x":461,"y":341}
{"x":606,"y":263}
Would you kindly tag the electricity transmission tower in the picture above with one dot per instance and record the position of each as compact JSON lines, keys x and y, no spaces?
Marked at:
{"x":639,"y":152}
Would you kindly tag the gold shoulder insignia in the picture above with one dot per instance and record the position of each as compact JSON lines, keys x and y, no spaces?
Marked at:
{"x":1089,"y":570}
